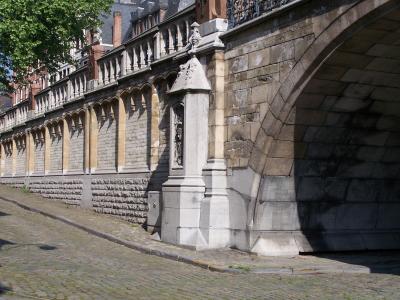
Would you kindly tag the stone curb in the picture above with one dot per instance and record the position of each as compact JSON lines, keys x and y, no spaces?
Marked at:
{"x":189,"y":260}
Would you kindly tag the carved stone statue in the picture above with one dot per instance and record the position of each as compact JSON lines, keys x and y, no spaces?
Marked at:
{"x":194,"y":38}
{"x":97,"y":38}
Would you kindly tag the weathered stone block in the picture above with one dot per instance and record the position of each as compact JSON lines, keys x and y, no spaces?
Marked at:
{"x":278,"y":166}
{"x":239,"y":64}
{"x":282,"y":52}
{"x":259,"y":58}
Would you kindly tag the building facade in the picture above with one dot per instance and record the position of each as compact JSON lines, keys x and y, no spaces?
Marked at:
{"x":268,"y":126}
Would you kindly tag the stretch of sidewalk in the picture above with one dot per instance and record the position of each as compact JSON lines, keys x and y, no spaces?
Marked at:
{"x":225,"y":260}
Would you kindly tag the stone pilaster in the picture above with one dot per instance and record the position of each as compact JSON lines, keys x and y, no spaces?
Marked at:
{"x":47,"y":145}
{"x":27,"y":150}
{"x":217,"y":117}
{"x":2,"y":159}
{"x":121,"y":134}
{"x":14,"y":156}
{"x":66,"y":146}
{"x":154,"y":130}
{"x":87,"y":141}
{"x":93,"y":139}
{"x":30,"y":153}
{"x":215,"y":220}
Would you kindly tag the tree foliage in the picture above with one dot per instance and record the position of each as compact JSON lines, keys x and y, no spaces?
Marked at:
{"x":39,"y":33}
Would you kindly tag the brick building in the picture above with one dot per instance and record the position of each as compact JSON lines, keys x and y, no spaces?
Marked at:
{"x":269,"y":126}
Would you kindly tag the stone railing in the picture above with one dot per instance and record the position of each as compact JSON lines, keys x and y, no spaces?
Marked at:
{"x":139,"y":53}
{"x":241,"y":11}
{"x":77,"y":84}
{"x":166,"y":39}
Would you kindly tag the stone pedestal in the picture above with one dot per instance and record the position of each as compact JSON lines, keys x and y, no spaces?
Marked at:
{"x":184,"y":190}
{"x":182,"y":199}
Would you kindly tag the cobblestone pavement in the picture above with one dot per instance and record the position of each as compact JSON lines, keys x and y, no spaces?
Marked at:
{"x":41,"y":258}
{"x":136,"y":237}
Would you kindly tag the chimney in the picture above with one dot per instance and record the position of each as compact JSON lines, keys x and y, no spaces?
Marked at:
{"x":117,"y":29}
{"x":210,"y":9}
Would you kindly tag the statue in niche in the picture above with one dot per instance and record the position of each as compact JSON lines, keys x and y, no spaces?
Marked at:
{"x":178,"y":134}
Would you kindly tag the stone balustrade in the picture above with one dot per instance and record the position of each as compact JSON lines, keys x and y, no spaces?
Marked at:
{"x":109,"y":69}
{"x":42,"y":103}
{"x":137,"y":54}
{"x":77,"y":84}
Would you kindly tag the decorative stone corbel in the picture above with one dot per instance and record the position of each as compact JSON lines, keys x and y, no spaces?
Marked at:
{"x":132,"y":102}
{"x":143,"y":100}
{"x":103,"y":112}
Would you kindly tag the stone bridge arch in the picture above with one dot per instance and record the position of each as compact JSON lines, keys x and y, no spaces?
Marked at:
{"x":325,"y":160}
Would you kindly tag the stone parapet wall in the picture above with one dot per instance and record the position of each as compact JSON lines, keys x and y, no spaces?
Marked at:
{"x":39,"y":158}
{"x":76,"y":150}
{"x":106,"y":143}
{"x":20,"y":162}
{"x":137,"y":138}
{"x":56,"y":154}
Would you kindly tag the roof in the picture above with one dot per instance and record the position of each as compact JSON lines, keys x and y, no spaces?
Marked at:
{"x":132,"y":10}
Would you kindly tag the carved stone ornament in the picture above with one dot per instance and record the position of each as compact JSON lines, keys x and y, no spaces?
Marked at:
{"x":178,"y":124}
{"x":191,"y":77}
{"x":194,"y":38}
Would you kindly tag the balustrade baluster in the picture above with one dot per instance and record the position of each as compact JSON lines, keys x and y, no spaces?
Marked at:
{"x":135,"y":59}
{"x":142,"y":56}
{"x":118,"y":67}
{"x":187,"y":28}
{"x":179,"y":42}
{"x":112,"y":70}
{"x":149,"y":53}
{"x":156,"y":42}
{"x":129,"y":60}
{"x":106,"y":73}
{"x":171,"y":41}
{"x":163,"y":43}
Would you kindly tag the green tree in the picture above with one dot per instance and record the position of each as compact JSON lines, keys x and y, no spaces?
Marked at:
{"x":38,"y":34}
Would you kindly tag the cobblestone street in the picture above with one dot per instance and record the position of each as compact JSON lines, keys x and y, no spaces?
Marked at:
{"x":42,"y":258}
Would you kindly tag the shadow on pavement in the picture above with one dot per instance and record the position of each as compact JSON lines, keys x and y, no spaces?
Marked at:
{"x":3,"y":214}
{"x":379,"y":262}
{"x":4,"y":289}
{"x":44,"y":247}
{"x":5,"y":242}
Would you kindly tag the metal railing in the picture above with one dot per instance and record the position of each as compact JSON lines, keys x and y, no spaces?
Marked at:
{"x":241,"y":11}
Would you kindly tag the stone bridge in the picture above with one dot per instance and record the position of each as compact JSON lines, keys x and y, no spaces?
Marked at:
{"x":312,"y":115}
{"x":283,"y":135}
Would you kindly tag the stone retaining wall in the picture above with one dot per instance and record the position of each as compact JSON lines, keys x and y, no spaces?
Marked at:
{"x":121,"y":195}
{"x":68,"y":191}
